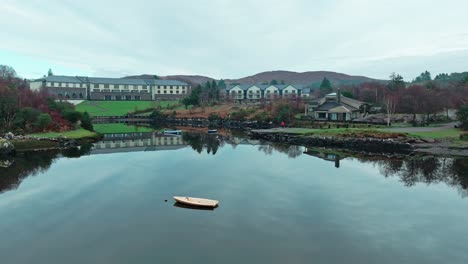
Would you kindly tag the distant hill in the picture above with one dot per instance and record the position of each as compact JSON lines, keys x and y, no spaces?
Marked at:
{"x":312,"y":78}
{"x":190,"y":79}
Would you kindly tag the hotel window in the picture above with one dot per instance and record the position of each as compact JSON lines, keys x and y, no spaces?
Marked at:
{"x":125,"y":86}
{"x":74,"y":95}
{"x":107,"y":97}
{"x":60,"y":84}
{"x":96,"y":85}
{"x":106,"y":86}
{"x":171,"y":92}
{"x":144,"y":87}
{"x":116,"y":86}
{"x":81,"y":95}
{"x":165,"y":91}
{"x":118,"y":97}
{"x":128,"y":97}
{"x":66,"y":85}
{"x":138,"y":98}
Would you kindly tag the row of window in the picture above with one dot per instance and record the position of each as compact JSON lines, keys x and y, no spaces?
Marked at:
{"x":122,"y":98}
{"x":240,"y":96}
{"x":268,"y":91}
{"x":72,"y":96}
{"x":170,"y":92}
{"x":115,"y":86}
{"x":119,"y":91}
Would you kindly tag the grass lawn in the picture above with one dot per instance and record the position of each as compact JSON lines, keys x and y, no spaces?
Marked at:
{"x":446,"y":133}
{"x":348,"y":132}
{"x":119,"y":128}
{"x":118,"y":108}
{"x":74,"y":134}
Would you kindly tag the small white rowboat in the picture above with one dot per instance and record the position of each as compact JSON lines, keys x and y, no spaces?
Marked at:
{"x":197,"y":201}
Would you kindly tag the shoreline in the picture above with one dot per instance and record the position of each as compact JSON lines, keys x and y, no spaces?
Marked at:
{"x":364,"y":143}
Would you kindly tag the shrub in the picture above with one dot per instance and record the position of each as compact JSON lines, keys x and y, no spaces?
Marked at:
{"x":43,"y":121}
{"x":86,"y":122}
{"x":462,"y":116}
{"x":239,"y":115}
{"x":213,"y":117}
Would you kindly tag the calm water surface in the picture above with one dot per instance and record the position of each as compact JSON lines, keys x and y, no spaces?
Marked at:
{"x":278,"y":204}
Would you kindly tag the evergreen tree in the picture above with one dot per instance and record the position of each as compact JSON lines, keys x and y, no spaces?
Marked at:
{"x":325,"y":87}
{"x":396,"y":82}
{"x":50,"y":73}
{"x":273,"y":82}
{"x":423,"y":77}
{"x":221,"y":84}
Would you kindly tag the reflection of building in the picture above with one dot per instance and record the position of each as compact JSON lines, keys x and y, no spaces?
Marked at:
{"x":119,"y":89}
{"x":132,"y":142}
{"x":325,"y":156}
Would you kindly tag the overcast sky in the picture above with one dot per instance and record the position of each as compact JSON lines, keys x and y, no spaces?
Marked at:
{"x":232,"y":38}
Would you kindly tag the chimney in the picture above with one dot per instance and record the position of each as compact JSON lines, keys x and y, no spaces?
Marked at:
{"x":338,"y":95}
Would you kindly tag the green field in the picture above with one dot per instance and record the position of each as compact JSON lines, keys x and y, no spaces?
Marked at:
{"x":446,"y":133}
{"x":73,"y":134}
{"x":119,"y":128}
{"x":119,"y":108}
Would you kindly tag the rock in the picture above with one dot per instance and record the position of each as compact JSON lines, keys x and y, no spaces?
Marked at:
{"x":428,"y":140}
{"x":6,"y":147}
{"x":9,"y":136}
{"x":6,"y":163}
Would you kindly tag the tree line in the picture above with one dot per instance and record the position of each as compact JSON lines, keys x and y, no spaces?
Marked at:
{"x":23,"y":110}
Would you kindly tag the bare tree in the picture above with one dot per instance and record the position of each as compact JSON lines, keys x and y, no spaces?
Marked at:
{"x":390,"y":102}
{"x":7,"y":72}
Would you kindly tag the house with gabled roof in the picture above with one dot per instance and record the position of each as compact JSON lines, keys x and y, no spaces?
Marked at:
{"x":261,"y":91}
{"x":335,"y":107}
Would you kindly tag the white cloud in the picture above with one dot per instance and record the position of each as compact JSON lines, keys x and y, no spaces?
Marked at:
{"x":232,"y":38}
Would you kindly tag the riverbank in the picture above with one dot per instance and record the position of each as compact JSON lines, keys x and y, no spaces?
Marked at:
{"x":53,"y":140}
{"x":364,"y":141}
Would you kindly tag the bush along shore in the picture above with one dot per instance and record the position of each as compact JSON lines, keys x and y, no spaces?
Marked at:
{"x":17,"y":143}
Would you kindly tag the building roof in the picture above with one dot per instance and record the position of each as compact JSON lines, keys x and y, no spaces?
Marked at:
{"x":105,"y":80}
{"x":264,"y":86}
{"x":329,"y":102}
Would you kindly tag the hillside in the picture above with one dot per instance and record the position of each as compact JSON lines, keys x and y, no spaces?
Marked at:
{"x":313,"y":78}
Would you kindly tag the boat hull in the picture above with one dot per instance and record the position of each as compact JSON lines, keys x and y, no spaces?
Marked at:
{"x":199,"y":202}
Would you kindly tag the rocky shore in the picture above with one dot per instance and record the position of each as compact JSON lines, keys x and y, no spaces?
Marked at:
{"x":10,"y":144}
{"x":365,"y":145}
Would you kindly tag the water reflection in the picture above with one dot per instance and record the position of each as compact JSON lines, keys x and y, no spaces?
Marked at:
{"x":135,"y":142}
{"x":429,"y":170}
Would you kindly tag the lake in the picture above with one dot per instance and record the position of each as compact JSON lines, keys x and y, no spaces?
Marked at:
{"x":106,"y":203}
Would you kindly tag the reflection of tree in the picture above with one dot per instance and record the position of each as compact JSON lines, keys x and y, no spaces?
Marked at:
{"x":291,"y":150}
{"x":200,"y":141}
{"x":26,"y":164}
{"x":429,"y":170}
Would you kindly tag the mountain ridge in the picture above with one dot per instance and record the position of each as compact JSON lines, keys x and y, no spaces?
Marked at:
{"x":311,"y":78}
